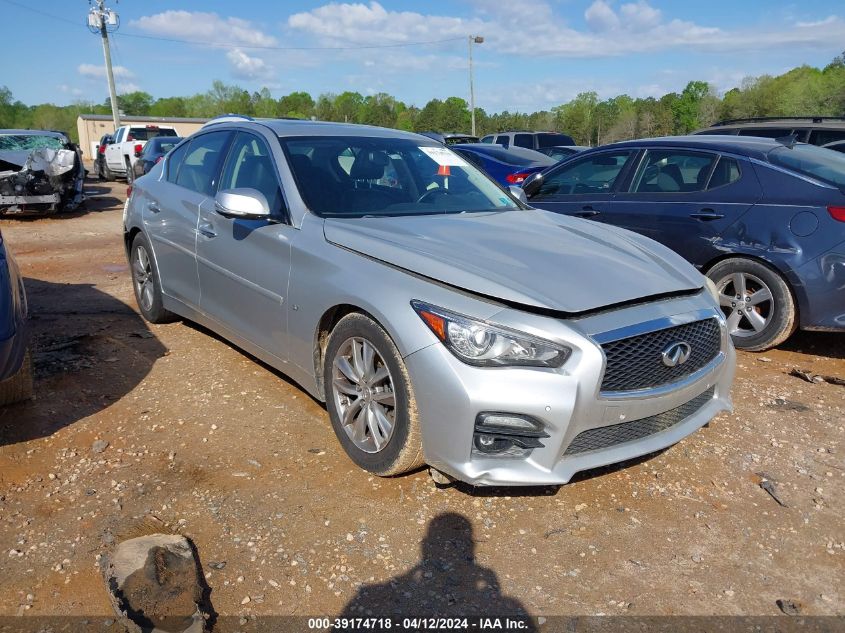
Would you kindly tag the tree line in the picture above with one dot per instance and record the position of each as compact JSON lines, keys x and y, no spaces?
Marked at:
{"x":805,"y":90}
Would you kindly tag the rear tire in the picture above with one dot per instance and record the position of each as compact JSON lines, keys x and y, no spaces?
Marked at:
{"x":757,"y":303}
{"x":18,"y":387}
{"x":370,"y":398}
{"x":145,"y":282}
{"x":107,"y":174}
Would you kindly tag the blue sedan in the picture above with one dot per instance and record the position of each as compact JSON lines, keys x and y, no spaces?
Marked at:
{"x":15,"y":361}
{"x":763,"y":218}
{"x":508,"y":167}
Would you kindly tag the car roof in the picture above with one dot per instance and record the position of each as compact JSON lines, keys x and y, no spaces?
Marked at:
{"x":298,"y":127}
{"x":754,"y":146}
{"x":795,"y":121}
{"x":493,"y":149}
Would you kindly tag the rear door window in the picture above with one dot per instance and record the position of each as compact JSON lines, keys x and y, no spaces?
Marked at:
{"x":487,"y":139}
{"x":504,"y":141}
{"x":524,"y":140}
{"x":200,"y":168}
{"x":596,"y":174}
{"x":673,"y":171}
{"x":549,"y":139}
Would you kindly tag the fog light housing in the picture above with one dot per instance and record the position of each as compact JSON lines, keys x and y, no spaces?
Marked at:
{"x":506,"y":434}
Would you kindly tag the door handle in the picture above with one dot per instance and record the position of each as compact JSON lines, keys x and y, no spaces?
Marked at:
{"x":706,"y":215}
{"x":153,"y":206}
{"x":206,"y":229}
{"x":587,"y":212}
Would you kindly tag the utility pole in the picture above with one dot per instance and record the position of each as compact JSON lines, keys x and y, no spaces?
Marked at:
{"x":101,"y":19}
{"x":473,"y":39}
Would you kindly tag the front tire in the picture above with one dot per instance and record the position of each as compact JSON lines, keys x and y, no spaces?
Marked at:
{"x":145,"y":282}
{"x":757,"y":302}
{"x":18,"y":387}
{"x":370,"y":399}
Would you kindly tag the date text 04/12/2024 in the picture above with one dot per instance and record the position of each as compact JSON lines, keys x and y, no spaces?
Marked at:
{"x":422,"y":624}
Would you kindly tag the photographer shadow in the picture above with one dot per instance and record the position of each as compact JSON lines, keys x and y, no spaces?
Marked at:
{"x":447,"y":582}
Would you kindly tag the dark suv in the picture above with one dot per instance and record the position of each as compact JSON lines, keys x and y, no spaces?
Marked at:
{"x":529,"y":140}
{"x":818,"y":130}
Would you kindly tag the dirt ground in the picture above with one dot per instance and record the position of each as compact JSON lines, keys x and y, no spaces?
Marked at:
{"x":204,"y":440}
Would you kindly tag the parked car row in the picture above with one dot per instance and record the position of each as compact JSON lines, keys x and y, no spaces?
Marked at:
{"x":441,"y":319}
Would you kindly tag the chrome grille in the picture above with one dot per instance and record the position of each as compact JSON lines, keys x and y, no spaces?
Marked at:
{"x":607,"y":436}
{"x":636,"y":363}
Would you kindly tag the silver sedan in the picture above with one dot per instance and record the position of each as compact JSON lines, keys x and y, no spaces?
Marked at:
{"x":440,"y":319}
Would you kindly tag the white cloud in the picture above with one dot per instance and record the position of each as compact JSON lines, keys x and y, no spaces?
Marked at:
{"x":635,"y":27}
{"x":358,"y":23}
{"x":92,"y":71}
{"x":201,"y":26}
{"x":600,"y":17}
{"x":124,"y":87}
{"x":247,"y":67}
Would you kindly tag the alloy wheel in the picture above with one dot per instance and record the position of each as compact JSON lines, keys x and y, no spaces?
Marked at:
{"x":747,"y":302}
{"x":142,"y":273}
{"x":363,"y":392}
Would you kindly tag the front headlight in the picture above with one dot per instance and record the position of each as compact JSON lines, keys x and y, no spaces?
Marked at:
{"x":711,"y":287}
{"x":478,"y":343}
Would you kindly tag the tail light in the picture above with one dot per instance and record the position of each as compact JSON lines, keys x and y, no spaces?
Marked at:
{"x":517,"y":178}
{"x":837,"y":213}
{"x":102,"y":149}
{"x":138,"y":148}
{"x":129,"y":192}
{"x":159,"y":159}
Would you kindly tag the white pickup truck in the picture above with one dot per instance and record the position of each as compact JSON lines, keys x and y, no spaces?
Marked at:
{"x":129,"y":140}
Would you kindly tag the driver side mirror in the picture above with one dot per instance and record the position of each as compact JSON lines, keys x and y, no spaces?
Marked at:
{"x":532,"y":184}
{"x":243,"y":202}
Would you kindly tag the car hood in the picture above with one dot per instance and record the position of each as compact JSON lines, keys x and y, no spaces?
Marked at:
{"x":15,"y":157}
{"x":535,"y":258}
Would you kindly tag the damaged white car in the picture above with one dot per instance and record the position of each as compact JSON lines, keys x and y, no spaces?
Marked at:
{"x":40,"y":171}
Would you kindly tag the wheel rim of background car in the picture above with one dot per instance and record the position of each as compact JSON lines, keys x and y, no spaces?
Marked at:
{"x":747,"y":303}
{"x":363,"y":393}
{"x":143,"y":273}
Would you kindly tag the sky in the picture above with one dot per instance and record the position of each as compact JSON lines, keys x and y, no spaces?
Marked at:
{"x":536,"y":54}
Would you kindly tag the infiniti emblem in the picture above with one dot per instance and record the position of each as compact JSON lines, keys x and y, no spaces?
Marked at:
{"x":676,"y":354}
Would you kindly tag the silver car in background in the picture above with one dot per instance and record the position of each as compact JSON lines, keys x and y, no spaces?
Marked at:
{"x":440,"y":319}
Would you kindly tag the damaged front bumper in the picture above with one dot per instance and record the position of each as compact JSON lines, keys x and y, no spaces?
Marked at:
{"x":49,"y":180}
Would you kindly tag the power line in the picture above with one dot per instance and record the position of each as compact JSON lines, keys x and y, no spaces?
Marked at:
{"x":248,"y":46}
{"x":290,"y":48}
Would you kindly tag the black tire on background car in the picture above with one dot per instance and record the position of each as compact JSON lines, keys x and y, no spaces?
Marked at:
{"x":130,"y":172}
{"x":757,"y":303}
{"x":106,"y":173}
{"x":18,"y":387}
{"x":370,"y":398}
{"x":145,"y":282}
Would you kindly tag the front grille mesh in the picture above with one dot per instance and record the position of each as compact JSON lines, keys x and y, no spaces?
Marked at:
{"x":636,"y":363}
{"x":607,"y":436}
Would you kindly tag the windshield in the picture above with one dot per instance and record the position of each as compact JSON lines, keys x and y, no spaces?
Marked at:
{"x":357,"y":176}
{"x":20,"y":142}
{"x":817,"y":162}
